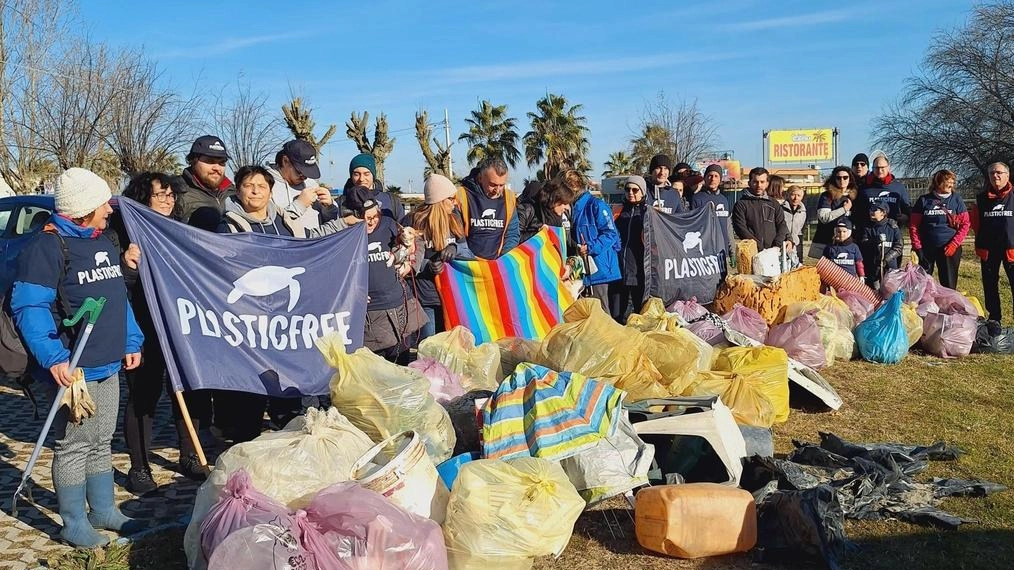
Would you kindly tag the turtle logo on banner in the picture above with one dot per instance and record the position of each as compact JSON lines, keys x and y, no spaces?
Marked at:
{"x":684,"y":255}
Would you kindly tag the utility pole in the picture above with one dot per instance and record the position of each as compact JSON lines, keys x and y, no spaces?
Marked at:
{"x":447,"y":141}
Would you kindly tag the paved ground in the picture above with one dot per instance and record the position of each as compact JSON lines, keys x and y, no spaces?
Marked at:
{"x":26,"y":541}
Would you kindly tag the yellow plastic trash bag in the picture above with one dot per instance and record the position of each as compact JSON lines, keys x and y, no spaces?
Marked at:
{"x":653,"y":317}
{"x":514,"y":351}
{"x":772,"y":368}
{"x":975,"y":303}
{"x":384,"y":399}
{"x":291,"y":466}
{"x":912,"y":322}
{"x":502,"y":514}
{"x":645,"y":365}
{"x":478,"y":366}
{"x":835,"y":321}
{"x":742,"y":393}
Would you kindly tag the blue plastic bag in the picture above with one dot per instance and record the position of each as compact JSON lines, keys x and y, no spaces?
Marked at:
{"x":882,"y":337}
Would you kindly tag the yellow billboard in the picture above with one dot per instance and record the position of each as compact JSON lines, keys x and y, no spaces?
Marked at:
{"x":804,"y":145}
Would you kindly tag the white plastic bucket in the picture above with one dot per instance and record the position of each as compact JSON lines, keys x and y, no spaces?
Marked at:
{"x":399,"y":469}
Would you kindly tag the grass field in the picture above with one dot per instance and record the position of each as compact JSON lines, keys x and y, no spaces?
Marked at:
{"x":968,"y":402}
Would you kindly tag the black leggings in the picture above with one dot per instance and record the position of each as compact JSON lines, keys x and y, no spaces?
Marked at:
{"x":947,"y":267}
{"x":621,"y":296}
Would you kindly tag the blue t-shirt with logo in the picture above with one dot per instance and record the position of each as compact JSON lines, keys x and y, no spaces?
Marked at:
{"x":386,"y":289}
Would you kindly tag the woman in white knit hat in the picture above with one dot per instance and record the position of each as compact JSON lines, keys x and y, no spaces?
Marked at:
{"x":442,"y":232}
{"x":69,"y":261}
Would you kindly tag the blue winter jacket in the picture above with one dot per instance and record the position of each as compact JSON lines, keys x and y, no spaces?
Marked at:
{"x":94,"y":271}
{"x":592,"y":224}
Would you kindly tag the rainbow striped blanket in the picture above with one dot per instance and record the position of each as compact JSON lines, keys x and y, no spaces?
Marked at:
{"x":520,"y":294}
{"x":537,"y":412}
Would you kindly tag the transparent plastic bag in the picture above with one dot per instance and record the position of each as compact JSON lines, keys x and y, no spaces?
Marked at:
{"x":912,"y":280}
{"x":384,"y":399}
{"x":290,"y":466}
{"x":689,"y":310}
{"x":478,"y":366}
{"x":835,"y":320}
{"x":949,"y":336}
{"x":240,"y":505}
{"x":747,"y":321}
{"x":365,"y":531}
{"x":262,"y":547}
{"x":800,"y":338}
{"x":953,"y":303}
{"x":514,"y":351}
{"x":771,"y":366}
{"x":445,"y":385}
{"x":502,"y":514}
{"x":858,"y":304}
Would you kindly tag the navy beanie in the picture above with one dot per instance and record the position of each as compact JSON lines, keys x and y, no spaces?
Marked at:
{"x":364,"y":160}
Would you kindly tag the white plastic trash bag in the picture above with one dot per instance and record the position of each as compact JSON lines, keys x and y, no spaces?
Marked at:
{"x":613,"y":466}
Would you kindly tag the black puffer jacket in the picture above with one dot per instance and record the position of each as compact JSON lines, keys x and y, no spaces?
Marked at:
{"x":201,"y":207}
{"x":761,"y":219}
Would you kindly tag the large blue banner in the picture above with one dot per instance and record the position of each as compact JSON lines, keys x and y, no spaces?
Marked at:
{"x":242,"y":311}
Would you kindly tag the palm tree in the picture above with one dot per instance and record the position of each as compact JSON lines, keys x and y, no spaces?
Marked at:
{"x":618,"y":164}
{"x":491,"y":134}
{"x":558,"y":136}
{"x":654,"y":139}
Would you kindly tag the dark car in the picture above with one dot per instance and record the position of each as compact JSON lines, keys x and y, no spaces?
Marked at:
{"x":21,"y":217}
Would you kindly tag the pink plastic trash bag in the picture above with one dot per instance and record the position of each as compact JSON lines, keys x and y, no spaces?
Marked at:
{"x":262,"y":547}
{"x":444,"y":384}
{"x":953,"y":303}
{"x":747,"y":321}
{"x":948,"y":336}
{"x":239,"y":506}
{"x":800,"y":338}
{"x":365,"y":531}
{"x":858,"y":305}
{"x":689,"y":310}
{"x":912,"y":279}
{"x":707,"y":330}
{"x":926,"y":307}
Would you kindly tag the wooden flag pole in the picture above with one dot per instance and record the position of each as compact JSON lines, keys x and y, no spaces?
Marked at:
{"x":190,"y":429}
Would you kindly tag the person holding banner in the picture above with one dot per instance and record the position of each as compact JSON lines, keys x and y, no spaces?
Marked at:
{"x":206,"y":187}
{"x":489,"y":210}
{"x":630,"y":225}
{"x":442,"y":232}
{"x":67,"y":263}
{"x":598,"y":242}
{"x":144,"y":384}
{"x":835,"y":202}
{"x":252,"y":210}
{"x":710,"y":196}
{"x":393,"y":314}
{"x":661,"y":194}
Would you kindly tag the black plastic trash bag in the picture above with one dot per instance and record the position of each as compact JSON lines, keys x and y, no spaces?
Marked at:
{"x":802,"y":528}
{"x":991,"y":338}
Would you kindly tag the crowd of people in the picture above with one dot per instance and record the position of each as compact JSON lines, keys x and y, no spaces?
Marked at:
{"x":859,"y":225}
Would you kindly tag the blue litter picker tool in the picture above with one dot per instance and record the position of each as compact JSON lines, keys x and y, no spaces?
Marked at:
{"x":92,"y":308}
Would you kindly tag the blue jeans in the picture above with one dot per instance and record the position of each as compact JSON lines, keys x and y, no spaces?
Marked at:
{"x":434,"y":323}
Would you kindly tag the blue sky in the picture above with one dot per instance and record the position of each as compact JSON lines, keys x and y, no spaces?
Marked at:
{"x":750,"y":64}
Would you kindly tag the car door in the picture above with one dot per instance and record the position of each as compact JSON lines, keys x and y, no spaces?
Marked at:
{"x":23,"y":222}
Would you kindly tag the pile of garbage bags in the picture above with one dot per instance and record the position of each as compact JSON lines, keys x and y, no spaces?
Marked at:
{"x":802,"y":501}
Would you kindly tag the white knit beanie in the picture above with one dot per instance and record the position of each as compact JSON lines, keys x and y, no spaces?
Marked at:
{"x":80,"y":192}
{"x":438,"y":188}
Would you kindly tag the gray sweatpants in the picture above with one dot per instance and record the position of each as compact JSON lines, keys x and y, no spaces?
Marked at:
{"x":85,"y":449}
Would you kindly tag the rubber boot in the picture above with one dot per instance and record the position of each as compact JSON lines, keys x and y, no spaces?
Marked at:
{"x":77,"y":530}
{"x":104,"y":513}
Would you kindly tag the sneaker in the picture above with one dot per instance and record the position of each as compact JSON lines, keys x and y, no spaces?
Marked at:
{"x":191,"y":468}
{"x":139,"y":481}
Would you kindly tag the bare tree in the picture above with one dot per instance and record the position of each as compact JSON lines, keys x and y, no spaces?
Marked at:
{"x":301,"y":124}
{"x":438,"y":162}
{"x":678,"y":128}
{"x":149,"y":124}
{"x":958,"y":112}
{"x":382,"y":145}
{"x":251,"y":130}
{"x":29,"y":34}
{"x":73,"y":105}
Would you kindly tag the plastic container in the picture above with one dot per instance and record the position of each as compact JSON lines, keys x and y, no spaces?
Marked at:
{"x":695,"y":520}
{"x":399,"y":469}
{"x":448,"y":470}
